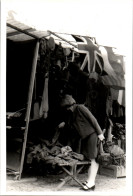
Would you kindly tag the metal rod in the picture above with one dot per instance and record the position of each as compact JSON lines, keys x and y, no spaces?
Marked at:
{"x":62,"y":38}
{"x":31,"y":87}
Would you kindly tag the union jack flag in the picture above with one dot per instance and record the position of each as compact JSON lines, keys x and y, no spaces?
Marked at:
{"x":93,"y":58}
{"x":102,"y":60}
{"x":116,"y":61}
{"x":114,"y":67}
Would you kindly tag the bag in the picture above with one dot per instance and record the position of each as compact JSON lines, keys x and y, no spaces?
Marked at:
{"x":103,"y":158}
{"x":108,"y":146}
{"x":116,"y":151}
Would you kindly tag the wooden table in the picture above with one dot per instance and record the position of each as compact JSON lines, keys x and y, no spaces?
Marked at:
{"x":71,"y":170}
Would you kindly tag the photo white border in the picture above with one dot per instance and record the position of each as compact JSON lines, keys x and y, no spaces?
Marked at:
{"x":3,"y":116}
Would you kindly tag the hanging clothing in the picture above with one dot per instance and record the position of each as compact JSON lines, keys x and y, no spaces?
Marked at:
{"x":121,"y":97}
{"x":43,"y":46}
{"x":114,"y":93}
{"x":109,"y":103}
{"x":96,"y":99}
{"x":36,"y":110}
{"x":117,"y":109}
{"x":44,"y":104}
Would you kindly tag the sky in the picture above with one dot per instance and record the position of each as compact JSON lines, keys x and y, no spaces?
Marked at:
{"x":107,"y":20}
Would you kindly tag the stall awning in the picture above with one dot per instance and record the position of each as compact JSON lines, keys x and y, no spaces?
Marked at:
{"x":17,"y":31}
{"x":94,"y":55}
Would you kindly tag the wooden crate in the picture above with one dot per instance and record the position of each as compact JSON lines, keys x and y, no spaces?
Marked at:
{"x":112,"y":171}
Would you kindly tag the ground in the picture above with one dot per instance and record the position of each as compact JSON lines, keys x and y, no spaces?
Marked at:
{"x":48,"y":184}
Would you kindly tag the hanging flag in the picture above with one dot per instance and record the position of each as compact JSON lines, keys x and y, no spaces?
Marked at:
{"x":102,"y":60}
{"x":116,"y":61}
{"x":93,"y":58}
{"x":107,"y":66}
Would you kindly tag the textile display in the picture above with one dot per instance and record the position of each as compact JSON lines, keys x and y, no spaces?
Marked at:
{"x":44,"y":104}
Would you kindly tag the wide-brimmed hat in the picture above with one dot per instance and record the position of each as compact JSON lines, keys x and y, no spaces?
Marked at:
{"x":67,"y":100}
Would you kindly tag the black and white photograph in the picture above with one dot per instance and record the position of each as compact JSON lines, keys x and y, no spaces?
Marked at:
{"x":66,"y":97}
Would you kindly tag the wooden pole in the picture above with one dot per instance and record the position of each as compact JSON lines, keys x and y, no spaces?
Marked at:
{"x":31,"y":87}
{"x":22,"y":31}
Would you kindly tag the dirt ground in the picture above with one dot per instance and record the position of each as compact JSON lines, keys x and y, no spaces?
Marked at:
{"x":49,"y":184}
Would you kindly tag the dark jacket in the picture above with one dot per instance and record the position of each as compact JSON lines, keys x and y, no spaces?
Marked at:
{"x":84,"y":122}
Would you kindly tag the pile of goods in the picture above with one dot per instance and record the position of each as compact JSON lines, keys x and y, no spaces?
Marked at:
{"x":53,"y":155}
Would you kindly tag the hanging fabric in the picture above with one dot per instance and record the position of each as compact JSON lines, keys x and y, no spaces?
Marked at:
{"x":36,"y":110}
{"x":109,"y":131}
{"x":107,"y":66}
{"x":114,"y":93}
{"x":73,"y":57}
{"x":44,"y":104}
{"x":51,"y":43}
{"x":66,"y":51}
{"x":121,"y":97}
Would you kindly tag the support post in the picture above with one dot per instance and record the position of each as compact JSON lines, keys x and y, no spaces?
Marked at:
{"x":30,"y":94}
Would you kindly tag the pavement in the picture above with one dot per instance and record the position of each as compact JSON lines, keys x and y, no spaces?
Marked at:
{"x":48,"y":184}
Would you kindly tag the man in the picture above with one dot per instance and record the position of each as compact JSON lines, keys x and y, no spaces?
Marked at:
{"x":87,"y":128}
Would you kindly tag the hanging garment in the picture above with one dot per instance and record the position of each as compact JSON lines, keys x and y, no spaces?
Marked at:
{"x":36,"y":110}
{"x":116,"y":109}
{"x":44,"y":104}
{"x":109,"y":102}
{"x":66,"y":51}
{"x":59,"y":52}
{"x":51,"y":43}
{"x":121,"y":97}
{"x":114,"y":93}
{"x":73,"y":56}
{"x":43,"y":46}
{"x":96,"y":98}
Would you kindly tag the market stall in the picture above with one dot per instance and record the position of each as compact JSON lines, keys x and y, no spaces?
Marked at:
{"x":47,"y":66}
